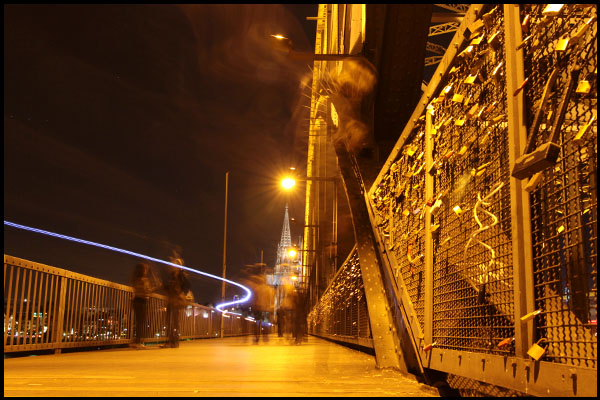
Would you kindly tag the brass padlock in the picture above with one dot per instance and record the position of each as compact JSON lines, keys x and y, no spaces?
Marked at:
{"x":525,"y":24}
{"x":529,"y":316}
{"x":494,"y":41}
{"x":536,"y":351}
{"x":562,"y":44}
{"x":583,"y":87}
{"x":553,"y":10}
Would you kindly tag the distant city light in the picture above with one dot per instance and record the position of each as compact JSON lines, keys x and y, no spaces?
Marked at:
{"x":58,"y":235}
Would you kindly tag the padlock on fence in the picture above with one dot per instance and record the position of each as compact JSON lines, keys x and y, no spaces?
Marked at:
{"x":537,"y":351}
{"x":429,"y":346}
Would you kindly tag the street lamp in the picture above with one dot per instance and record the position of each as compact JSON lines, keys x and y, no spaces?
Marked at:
{"x":288,"y":183}
{"x":285,"y":45}
{"x":292,"y":252}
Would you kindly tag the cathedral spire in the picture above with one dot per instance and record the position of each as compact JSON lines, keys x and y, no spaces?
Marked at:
{"x":286,"y":239}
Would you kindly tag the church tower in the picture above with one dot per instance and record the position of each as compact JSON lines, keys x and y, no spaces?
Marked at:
{"x":286,"y":241}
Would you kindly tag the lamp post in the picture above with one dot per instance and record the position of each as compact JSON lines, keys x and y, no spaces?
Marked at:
{"x":224,"y":253}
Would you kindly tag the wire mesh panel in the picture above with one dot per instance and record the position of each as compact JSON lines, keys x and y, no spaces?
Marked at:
{"x":560,"y":57}
{"x":399,"y":206}
{"x":342,"y":309}
{"x":471,"y":222}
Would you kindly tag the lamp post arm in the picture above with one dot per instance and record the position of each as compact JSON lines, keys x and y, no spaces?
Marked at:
{"x":318,"y":178}
{"x":306,"y":56}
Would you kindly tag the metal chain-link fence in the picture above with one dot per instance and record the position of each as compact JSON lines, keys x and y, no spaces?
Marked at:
{"x":464,"y":201}
{"x":399,"y":207}
{"x":342,"y":310}
{"x":472,"y":284}
{"x":563,"y":204}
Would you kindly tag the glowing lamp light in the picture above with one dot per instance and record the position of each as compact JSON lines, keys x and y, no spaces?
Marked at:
{"x":294,"y":277}
{"x":279,"y":37}
{"x":288,"y":183}
{"x":131,"y":253}
{"x":292,"y":252}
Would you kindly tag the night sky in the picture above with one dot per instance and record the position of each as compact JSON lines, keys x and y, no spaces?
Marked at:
{"x":120,"y":122}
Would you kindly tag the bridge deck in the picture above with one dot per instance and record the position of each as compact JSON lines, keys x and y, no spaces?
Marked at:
{"x":215,"y":367}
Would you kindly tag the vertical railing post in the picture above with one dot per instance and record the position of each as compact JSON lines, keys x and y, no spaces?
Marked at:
{"x":60,"y":315}
{"x":519,"y":198}
{"x":428,"y":306}
{"x":194,"y":321}
{"x":130,"y":319}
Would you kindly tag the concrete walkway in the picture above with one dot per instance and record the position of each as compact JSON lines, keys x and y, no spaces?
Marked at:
{"x":211,"y":367}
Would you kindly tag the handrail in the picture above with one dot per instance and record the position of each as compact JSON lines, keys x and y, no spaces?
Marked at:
{"x":47,"y":307}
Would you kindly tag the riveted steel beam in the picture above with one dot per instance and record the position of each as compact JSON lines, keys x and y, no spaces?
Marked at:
{"x":435,"y":48}
{"x":433,"y":60}
{"x":442,"y":29}
{"x":383,"y":327}
{"x":457,"y":8}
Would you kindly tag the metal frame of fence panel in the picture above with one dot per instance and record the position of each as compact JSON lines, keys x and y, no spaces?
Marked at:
{"x":473,"y":249}
{"x":51,"y":308}
{"x":564,"y":203}
{"x":472,"y":244}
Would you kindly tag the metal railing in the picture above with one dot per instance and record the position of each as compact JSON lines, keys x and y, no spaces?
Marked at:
{"x":51,"y":308}
{"x":490,"y":268}
{"x":491,"y":264}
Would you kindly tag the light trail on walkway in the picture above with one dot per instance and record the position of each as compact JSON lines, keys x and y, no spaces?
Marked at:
{"x":131,"y":253}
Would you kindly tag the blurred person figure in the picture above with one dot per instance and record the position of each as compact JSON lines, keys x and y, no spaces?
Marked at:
{"x":280,"y":321}
{"x":261,"y":302}
{"x":178,"y":294}
{"x":144,"y":283}
{"x":285,"y":296}
{"x":299,"y":316}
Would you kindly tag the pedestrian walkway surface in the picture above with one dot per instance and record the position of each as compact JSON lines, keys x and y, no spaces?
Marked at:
{"x":211,"y":367}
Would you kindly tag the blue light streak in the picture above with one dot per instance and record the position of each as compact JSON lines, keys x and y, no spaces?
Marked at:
{"x":131,"y":253}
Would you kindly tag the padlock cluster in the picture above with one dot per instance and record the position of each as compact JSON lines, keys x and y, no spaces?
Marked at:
{"x":342,"y":309}
{"x":472,"y":253}
{"x":472,"y":268}
{"x":400,"y":205}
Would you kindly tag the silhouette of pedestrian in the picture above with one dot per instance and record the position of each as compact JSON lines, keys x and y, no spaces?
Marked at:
{"x":142,"y":289}
{"x":280,"y":321}
{"x":299,"y":316}
{"x":177,"y":291}
{"x":261,"y":303}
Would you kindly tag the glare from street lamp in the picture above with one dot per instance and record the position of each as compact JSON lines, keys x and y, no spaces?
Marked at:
{"x":288,"y":183}
{"x":292,"y":253}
